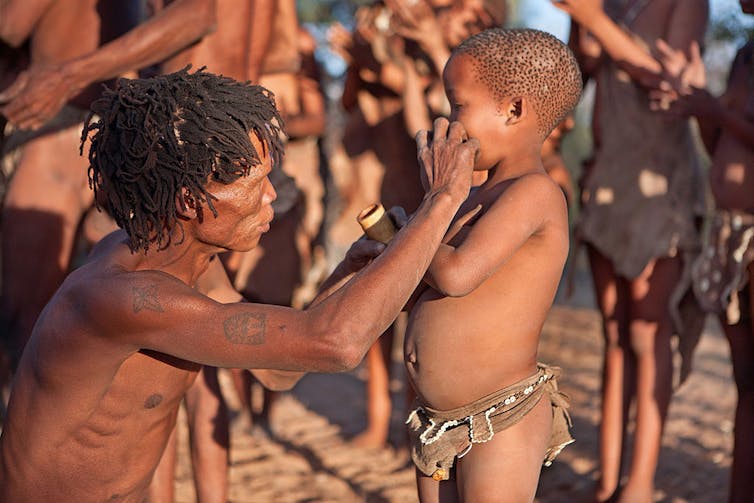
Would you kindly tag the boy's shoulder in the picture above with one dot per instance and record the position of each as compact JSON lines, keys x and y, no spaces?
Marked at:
{"x":538,"y":185}
{"x":535,"y":197}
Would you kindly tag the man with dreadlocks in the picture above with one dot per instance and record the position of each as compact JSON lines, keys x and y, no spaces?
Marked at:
{"x":182,"y":161}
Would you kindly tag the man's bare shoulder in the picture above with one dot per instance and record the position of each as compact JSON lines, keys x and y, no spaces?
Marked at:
{"x":115,"y":298}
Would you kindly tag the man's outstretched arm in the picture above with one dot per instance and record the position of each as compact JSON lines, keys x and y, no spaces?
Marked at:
{"x":331,"y":336}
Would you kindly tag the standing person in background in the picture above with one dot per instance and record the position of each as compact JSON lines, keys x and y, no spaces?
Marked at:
{"x":235,"y":50}
{"x":45,"y":106}
{"x":724,"y":272}
{"x":641,"y":197}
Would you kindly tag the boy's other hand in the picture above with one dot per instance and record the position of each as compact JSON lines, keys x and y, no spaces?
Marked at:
{"x":447,"y":159}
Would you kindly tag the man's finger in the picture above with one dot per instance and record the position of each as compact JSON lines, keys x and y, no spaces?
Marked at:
{"x":457,"y":132}
{"x":439,"y":129}
{"x":398,"y":214}
{"x":421,"y":139}
{"x":473,"y":144}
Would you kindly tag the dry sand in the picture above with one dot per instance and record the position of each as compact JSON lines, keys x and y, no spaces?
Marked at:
{"x":308,"y":459}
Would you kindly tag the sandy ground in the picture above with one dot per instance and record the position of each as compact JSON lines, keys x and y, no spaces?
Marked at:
{"x":309,"y":459}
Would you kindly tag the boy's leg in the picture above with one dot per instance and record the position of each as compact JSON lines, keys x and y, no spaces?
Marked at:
{"x":617,"y":372}
{"x":506,"y":469}
{"x":651,"y":328}
{"x":208,"y":427}
{"x":162,"y":487}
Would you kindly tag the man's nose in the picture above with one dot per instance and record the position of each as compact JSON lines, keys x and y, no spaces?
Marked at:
{"x":269,"y":192}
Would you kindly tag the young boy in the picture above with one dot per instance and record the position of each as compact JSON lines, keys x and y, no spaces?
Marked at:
{"x":471,"y":343}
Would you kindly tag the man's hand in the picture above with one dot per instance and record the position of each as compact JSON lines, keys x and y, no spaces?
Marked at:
{"x":361,"y":253}
{"x":37,"y":95}
{"x":447,"y":159}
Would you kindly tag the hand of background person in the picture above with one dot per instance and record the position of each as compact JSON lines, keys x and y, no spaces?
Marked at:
{"x":581,"y":11}
{"x":37,"y":95}
{"x":341,"y":41}
{"x":681,"y":88}
{"x":682,"y":72}
{"x":415,"y":20}
{"x":695,"y":101}
{"x":447,"y":159}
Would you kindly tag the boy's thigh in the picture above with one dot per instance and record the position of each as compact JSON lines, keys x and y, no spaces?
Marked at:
{"x":506,"y":469}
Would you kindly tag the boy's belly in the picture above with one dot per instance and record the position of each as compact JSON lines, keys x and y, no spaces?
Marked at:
{"x":460,"y":349}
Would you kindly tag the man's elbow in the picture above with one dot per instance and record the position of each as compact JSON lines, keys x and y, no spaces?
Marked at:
{"x":342,"y":352}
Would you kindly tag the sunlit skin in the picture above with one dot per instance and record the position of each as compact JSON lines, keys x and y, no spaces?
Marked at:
{"x":514,"y":249}
{"x":140,"y":331}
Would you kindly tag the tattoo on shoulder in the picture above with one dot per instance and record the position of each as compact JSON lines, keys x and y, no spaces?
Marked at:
{"x":145,"y":299}
{"x":246,"y":328}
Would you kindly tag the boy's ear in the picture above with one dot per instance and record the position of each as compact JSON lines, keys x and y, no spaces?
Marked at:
{"x":513,"y":109}
{"x":185,"y":205}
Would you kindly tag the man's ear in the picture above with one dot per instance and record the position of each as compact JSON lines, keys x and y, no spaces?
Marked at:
{"x":514,"y":109}
{"x":185,"y":205}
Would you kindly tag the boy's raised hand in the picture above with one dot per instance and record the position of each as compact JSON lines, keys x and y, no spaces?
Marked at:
{"x":446,"y":159}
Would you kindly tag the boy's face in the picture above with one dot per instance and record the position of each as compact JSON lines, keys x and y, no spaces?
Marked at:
{"x":472,"y":104}
{"x":244,"y":207}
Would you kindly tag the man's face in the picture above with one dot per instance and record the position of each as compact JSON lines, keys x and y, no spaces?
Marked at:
{"x":244,"y":207}
{"x":472,"y":104}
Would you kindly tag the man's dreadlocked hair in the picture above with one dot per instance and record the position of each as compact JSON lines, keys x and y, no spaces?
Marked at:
{"x":156,"y":137}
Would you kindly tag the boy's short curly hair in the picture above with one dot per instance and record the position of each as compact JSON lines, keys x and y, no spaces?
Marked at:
{"x":156,"y":137}
{"x":527,"y":62}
